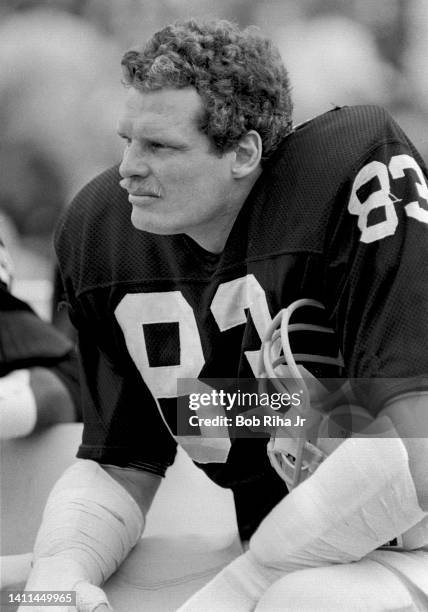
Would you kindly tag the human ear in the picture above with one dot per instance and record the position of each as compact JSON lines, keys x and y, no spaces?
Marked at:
{"x":248,"y":153}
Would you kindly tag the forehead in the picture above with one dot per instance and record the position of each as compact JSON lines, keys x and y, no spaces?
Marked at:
{"x":163,"y":109}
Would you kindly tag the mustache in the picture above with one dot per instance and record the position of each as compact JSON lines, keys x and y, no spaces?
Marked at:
{"x":136,"y":188}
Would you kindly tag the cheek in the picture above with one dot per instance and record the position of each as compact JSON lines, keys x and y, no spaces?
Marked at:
{"x":214,"y":174}
{"x":196,"y":176}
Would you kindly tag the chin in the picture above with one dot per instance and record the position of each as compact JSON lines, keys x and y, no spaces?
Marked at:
{"x":147,"y":223}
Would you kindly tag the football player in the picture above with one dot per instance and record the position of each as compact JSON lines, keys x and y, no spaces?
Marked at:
{"x":38,"y":366}
{"x":174,"y":264}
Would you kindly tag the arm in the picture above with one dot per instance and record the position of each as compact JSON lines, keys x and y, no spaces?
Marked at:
{"x":32,"y":399}
{"x":142,"y":486}
{"x":90,"y":524}
{"x":29,"y":342}
{"x":38,"y":370}
{"x":323,"y":521}
{"x":409,"y":414}
{"x":53,"y":400}
{"x":94,"y":516}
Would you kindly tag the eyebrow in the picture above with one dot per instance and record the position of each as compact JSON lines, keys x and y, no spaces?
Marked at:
{"x":147,"y":132}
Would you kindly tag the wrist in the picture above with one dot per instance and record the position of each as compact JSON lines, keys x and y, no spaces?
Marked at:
{"x":56,"y":572}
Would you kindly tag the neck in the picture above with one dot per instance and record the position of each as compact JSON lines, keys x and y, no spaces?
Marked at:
{"x":213,"y":236}
{"x":214,"y":233}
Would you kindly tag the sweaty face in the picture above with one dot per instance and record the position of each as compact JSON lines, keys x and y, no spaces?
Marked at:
{"x":176,"y":184}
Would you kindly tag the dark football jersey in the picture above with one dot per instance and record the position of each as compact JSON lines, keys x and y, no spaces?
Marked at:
{"x":339,"y":215}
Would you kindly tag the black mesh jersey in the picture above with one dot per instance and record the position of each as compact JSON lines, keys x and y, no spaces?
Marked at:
{"x":340,"y":214}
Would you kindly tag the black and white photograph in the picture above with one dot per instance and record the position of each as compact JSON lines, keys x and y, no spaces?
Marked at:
{"x":214,"y":305}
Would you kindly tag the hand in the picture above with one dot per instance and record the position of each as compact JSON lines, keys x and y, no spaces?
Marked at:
{"x":60,"y":574}
{"x":89,"y":598}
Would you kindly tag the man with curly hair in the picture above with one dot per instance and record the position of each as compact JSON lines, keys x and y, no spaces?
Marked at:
{"x":221,"y":214}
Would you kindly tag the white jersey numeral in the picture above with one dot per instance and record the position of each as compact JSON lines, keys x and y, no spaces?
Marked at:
{"x":228,"y":307}
{"x":138,"y":309}
{"x":383,"y":198}
{"x":398,"y":164}
{"x":229,"y":304}
{"x":378,"y":199}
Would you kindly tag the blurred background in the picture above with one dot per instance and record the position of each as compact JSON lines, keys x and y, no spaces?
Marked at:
{"x":60,"y":90}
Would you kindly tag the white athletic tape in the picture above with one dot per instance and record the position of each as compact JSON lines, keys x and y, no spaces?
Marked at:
{"x":361,"y":497}
{"x":18,"y":408}
{"x":417,"y":536}
{"x":14,"y":569}
{"x":90,"y":524}
{"x":89,"y":597}
{"x":61,"y":574}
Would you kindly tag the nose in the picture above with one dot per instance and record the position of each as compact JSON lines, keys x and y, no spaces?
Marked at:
{"x":133,"y":163}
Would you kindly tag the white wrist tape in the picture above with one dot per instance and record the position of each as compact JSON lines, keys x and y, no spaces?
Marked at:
{"x":89,"y":597}
{"x":18,"y":408}
{"x":91,"y":521}
{"x":360,"y":497}
{"x":61,"y":574}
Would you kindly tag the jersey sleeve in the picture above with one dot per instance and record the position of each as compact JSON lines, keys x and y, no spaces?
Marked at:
{"x":122,"y":425}
{"x":377,"y":272}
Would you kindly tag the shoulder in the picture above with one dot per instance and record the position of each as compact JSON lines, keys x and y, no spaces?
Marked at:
{"x":364,"y":124}
{"x":306,"y":185}
{"x":338,"y":140}
{"x":87,"y":235}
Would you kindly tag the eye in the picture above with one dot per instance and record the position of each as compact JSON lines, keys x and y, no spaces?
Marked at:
{"x":157,"y":145}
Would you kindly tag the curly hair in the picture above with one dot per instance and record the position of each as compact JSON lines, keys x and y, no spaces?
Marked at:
{"x":238,"y":74}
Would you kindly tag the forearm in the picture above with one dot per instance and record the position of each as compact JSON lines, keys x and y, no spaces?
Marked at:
{"x":360,"y":497}
{"x":409,"y":414}
{"x":53,"y":400}
{"x":89,"y":526}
